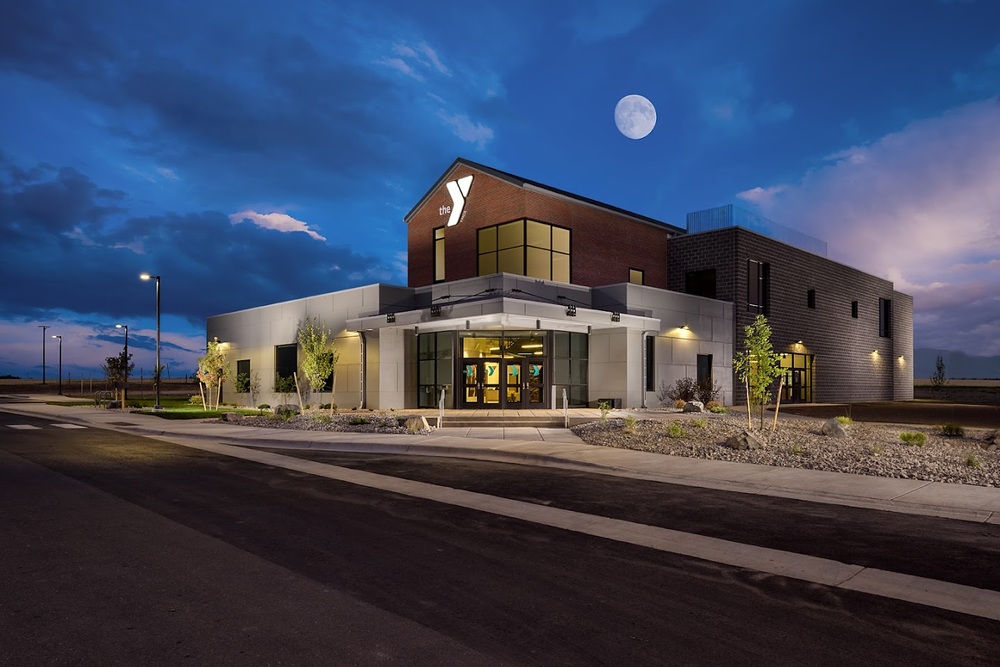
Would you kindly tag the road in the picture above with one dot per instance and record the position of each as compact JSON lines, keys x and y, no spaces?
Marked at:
{"x":119,"y":549}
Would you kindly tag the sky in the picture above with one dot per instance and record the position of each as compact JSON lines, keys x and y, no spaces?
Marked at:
{"x":253,"y":152}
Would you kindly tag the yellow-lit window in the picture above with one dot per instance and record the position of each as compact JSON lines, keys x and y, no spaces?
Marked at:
{"x":439,"y":254}
{"x":527,"y":248}
{"x":637,"y":276}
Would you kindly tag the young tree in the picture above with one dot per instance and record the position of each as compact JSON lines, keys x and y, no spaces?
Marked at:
{"x":116,"y":369}
{"x":757,"y":365}
{"x":284,"y":385}
{"x":939,"y":379}
{"x":213,"y":369}
{"x":319,"y":359}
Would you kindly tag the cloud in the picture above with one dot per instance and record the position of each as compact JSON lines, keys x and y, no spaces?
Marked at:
{"x":281,"y":222}
{"x":984,"y":78}
{"x":728,"y":101}
{"x":596,"y":20}
{"x":921,"y":207}
{"x":466,"y":130}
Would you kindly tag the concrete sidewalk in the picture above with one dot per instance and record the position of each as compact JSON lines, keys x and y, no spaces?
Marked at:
{"x":561,"y":448}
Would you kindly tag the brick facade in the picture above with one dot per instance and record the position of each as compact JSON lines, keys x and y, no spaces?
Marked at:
{"x":604,"y":243}
{"x":852,"y":362}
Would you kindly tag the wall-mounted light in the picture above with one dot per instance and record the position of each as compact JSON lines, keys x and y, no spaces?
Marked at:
{"x":685,"y":327}
{"x":571,"y":311}
{"x":390,"y":318}
{"x":435,"y":311}
{"x":798,"y":342}
{"x":616,"y":317}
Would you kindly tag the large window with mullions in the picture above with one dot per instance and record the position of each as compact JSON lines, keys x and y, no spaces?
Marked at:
{"x":526,"y":248}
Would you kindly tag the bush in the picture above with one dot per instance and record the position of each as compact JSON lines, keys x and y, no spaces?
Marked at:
{"x":708,"y":391}
{"x":699,"y":423}
{"x":718,"y":409}
{"x":972,"y":461}
{"x":712,"y":405}
{"x":685,"y":389}
{"x":674,"y":430}
{"x":630,"y":422}
{"x":910,"y":438}
{"x":846,"y":421}
{"x":605,"y":408}
{"x":951,"y":430}
{"x":680,"y":403}
{"x":195,"y":400}
{"x":358,"y":421}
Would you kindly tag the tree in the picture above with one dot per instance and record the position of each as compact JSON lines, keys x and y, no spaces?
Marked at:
{"x":249,"y":383}
{"x":284,"y":385}
{"x":319,"y":358}
{"x":939,"y":379}
{"x":213,"y":369}
{"x":116,"y":369}
{"x":757,"y":365}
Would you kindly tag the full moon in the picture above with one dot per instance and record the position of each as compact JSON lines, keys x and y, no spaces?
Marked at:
{"x":635,"y":116}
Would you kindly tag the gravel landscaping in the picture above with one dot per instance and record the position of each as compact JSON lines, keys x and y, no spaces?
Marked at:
{"x":868,"y":449}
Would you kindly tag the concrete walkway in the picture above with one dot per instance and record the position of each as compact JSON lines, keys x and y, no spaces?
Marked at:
{"x":561,"y":448}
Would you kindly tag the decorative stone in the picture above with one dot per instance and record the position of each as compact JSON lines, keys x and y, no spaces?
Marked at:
{"x":414,"y":423}
{"x":230,"y":417}
{"x":694,"y":406}
{"x":834,"y":428}
{"x":743,"y":441}
{"x":287,"y":409}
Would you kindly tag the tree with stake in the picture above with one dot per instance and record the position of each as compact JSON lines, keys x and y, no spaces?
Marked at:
{"x":213,"y":369}
{"x":757,"y":366}
{"x":939,"y":379}
{"x":319,"y":360}
{"x":116,"y":369}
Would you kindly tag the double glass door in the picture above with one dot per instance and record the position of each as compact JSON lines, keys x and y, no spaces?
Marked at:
{"x":503,"y":383}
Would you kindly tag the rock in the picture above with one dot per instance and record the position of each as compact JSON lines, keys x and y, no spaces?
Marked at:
{"x":230,"y":416}
{"x":288,"y":409}
{"x":834,"y":428}
{"x":694,"y":406}
{"x":744,"y":440}
{"x":414,"y":424}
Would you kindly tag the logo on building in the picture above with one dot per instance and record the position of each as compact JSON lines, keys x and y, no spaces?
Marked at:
{"x":459,"y":191}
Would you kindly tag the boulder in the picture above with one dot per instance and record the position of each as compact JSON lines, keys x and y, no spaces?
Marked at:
{"x":834,"y":428}
{"x":744,"y":440}
{"x":288,"y":409}
{"x":694,"y":406}
{"x":414,"y":424}
{"x":992,"y":441}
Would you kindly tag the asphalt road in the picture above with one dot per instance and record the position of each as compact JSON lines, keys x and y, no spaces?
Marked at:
{"x":118,"y":549}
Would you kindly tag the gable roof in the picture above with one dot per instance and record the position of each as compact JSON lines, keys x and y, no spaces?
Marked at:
{"x":517,"y":181}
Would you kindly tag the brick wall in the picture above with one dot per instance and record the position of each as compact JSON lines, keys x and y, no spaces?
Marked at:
{"x":604,"y":245}
{"x":852,"y":362}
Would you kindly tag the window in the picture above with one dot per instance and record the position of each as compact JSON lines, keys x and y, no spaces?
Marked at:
{"x":811,"y":298}
{"x":285,"y":360}
{"x":637,"y":276}
{"x":570,"y":366}
{"x":651,"y":363}
{"x":704,"y":368}
{"x":758,"y":286}
{"x":434,"y":368}
{"x":700,"y":283}
{"x":242,"y":376}
{"x":439,"y":254}
{"x":526,"y":248}
{"x":885,"y":318}
{"x":854,"y":309}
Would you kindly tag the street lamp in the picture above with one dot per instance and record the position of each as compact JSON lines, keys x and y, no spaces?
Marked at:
{"x":125,"y":389}
{"x":156,"y":370}
{"x":43,"y":327}
{"x":60,"y":361}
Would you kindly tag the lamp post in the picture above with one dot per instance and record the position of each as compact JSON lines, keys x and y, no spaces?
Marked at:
{"x":43,"y":327}
{"x":156,"y":370}
{"x":60,"y":361}
{"x":125,"y":388}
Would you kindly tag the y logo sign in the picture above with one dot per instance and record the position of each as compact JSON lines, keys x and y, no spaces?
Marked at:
{"x":458,"y":190}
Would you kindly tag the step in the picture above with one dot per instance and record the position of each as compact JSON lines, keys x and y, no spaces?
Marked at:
{"x":504,"y":422}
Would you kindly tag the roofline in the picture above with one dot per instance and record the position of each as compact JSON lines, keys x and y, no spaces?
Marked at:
{"x":541,"y":187}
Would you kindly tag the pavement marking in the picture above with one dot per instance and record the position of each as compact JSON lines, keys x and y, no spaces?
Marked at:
{"x":24,"y":427}
{"x":68,"y":426}
{"x":919,"y":590}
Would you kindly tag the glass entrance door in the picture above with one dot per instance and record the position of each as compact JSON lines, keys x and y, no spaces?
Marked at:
{"x":503,"y":383}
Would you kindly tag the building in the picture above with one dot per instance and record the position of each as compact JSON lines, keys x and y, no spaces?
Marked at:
{"x":521,"y":295}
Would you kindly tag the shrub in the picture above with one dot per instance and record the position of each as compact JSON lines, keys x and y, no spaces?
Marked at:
{"x":674,"y":430}
{"x":846,"y":421}
{"x":358,"y":421}
{"x":605,"y":408}
{"x":707,"y":391}
{"x":630,"y":422}
{"x":910,"y":438}
{"x":285,"y":412}
{"x":951,"y":430}
{"x":195,"y":400}
{"x":663,"y":393}
{"x":685,"y":389}
{"x":799,"y":450}
{"x":680,"y":403}
{"x":712,"y":405}
{"x":264,"y":406}
{"x":699,"y":423}
{"x":971,"y":461}
{"x":719,"y":409}
{"x":878,"y":449}
{"x":323,"y":419}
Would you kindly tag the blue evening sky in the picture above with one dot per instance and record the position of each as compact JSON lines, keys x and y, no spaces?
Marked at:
{"x":252,"y":152}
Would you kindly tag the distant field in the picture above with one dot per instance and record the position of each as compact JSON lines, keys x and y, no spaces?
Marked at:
{"x":959,"y":383}
{"x":86,"y":388}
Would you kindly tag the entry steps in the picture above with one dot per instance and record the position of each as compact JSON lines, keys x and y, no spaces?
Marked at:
{"x":501,"y":421}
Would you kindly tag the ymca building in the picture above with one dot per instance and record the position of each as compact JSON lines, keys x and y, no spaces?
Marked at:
{"x":521,"y":296}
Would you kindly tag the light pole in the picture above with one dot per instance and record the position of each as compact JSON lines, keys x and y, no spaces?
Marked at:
{"x":43,"y":327}
{"x":156,"y":370}
{"x":60,"y":361}
{"x":125,"y":388}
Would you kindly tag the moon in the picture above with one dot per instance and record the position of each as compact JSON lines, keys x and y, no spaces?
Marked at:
{"x":635,"y":116}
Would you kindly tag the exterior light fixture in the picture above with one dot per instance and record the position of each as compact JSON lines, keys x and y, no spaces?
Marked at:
{"x":60,"y":361}
{"x":157,"y":373}
{"x":125,"y":389}
{"x":685,"y":327}
{"x":43,"y":327}
{"x":571,"y":311}
{"x":435,"y":311}
{"x":390,"y":318}
{"x":616,"y":317}
{"x":798,"y":342}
